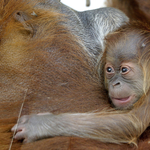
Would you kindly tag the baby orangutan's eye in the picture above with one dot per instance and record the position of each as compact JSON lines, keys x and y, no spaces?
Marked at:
{"x":125,"y":70}
{"x":109,"y":69}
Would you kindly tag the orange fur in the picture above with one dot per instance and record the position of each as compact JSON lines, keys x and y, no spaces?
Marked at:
{"x":56,"y":81}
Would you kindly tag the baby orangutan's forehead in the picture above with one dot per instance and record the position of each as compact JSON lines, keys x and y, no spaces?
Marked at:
{"x":125,"y":49}
{"x":116,"y":57}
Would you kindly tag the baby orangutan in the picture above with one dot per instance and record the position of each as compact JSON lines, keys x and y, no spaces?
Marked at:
{"x":124,"y":67}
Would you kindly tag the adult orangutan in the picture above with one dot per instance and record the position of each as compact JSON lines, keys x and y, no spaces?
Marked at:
{"x":48,"y":57}
{"x":48,"y":54}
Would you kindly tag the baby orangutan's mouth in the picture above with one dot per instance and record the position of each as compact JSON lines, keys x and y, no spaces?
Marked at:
{"x":121,"y":101}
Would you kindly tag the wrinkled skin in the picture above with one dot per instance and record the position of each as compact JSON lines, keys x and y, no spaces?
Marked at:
{"x":125,"y":83}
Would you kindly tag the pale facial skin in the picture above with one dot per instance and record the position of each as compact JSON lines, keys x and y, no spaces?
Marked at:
{"x":124,"y":83}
